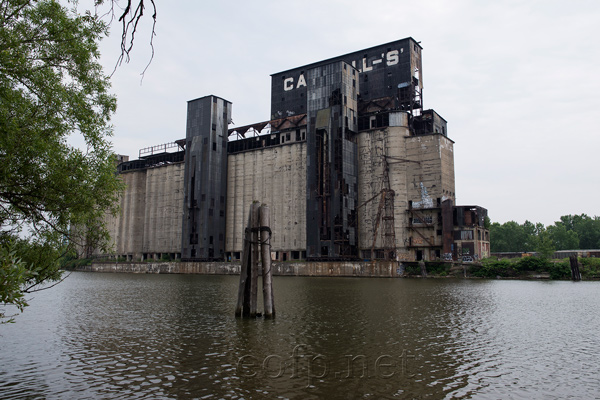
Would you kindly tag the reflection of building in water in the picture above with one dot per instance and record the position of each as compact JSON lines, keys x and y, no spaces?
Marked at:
{"x":350,"y":164}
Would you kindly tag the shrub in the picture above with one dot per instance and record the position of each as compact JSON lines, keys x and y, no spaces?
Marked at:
{"x":590,"y":268}
{"x":491,"y":268}
{"x":560,"y":270}
{"x":538,"y":264}
{"x":412,"y":268}
{"x":437,"y":268}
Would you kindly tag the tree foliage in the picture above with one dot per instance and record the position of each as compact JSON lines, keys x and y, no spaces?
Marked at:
{"x":52,"y":87}
{"x":572,"y":232}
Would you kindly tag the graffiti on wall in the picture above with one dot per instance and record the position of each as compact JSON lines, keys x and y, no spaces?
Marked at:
{"x":405,"y":256}
{"x":417,"y":240}
{"x":426,"y":200}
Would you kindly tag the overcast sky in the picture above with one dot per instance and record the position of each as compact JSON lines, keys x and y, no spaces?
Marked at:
{"x":517,"y":81}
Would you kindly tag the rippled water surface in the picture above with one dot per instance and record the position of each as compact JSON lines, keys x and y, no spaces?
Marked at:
{"x":103,"y":336}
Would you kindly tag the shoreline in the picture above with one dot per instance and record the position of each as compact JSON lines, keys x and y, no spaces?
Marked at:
{"x":364,"y":269}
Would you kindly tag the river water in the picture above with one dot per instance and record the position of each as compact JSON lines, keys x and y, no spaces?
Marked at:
{"x":119,"y":336}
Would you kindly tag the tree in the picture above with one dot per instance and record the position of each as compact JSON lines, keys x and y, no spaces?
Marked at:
{"x":545,"y":246}
{"x":509,"y":237}
{"x":586,"y":228}
{"x":51,"y":88}
{"x":562,"y":238}
{"x":514,"y":237}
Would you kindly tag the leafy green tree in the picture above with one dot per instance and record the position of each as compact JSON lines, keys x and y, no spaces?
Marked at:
{"x":545,"y":245}
{"x":562,"y":238}
{"x":587,"y":229}
{"x":514,"y":237}
{"x":51,"y":87}
{"x":510,"y":237}
{"x":530,"y":232}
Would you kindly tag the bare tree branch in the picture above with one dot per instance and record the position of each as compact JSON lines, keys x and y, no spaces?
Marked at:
{"x":130,"y":18}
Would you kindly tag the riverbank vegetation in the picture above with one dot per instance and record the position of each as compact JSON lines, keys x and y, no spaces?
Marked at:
{"x":522,"y":268}
{"x":535,"y":266}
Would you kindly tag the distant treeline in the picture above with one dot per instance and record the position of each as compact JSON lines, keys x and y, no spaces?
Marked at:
{"x":572,"y":232}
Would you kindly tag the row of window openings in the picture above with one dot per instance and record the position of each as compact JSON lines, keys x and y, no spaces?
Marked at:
{"x":426,"y":220}
{"x":276,"y":255}
{"x":468,"y":235}
{"x":460,"y":235}
{"x":300,"y":135}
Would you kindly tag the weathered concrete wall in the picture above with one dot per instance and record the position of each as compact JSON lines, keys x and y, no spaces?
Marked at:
{"x":373,"y":145}
{"x":433,"y":176}
{"x":151,"y":213}
{"x":429,"y":183}
{"x":421,"y":171}
{"x":275,"y":176}
{"x":357,"y":269}
{"x":164,"y":209}
{"x":127,"y":228}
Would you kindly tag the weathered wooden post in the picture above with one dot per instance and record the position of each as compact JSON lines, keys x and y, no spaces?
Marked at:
{"x":265,"y":247}
{"x":258,"y":227}
{"x":254,"y":257}
{"x":575,"y":273}
{"x":243,"y":303}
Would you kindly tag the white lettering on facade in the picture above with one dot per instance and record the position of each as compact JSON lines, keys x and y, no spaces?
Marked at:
{"x":301,"y":81}
{"x":392,"y":58}
{"x":288,"y":84}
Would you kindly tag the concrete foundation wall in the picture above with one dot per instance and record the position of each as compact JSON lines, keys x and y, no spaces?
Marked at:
{"x":275,"y":176}
{"x":349,"y":269}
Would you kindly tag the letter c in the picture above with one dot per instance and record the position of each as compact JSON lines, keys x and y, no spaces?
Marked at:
{"x":288,"y":84}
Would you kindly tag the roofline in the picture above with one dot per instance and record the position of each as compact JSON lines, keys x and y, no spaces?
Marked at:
{"x":343,"y":55}
{"x":210,"y":95}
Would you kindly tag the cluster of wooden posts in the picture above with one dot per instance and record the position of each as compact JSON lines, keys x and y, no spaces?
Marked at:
{"x":257,"y":234}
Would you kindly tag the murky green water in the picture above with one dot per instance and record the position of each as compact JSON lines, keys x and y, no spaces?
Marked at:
{"x":105,"y":336}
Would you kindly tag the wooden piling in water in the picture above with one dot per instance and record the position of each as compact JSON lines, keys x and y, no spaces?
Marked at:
{"x":243,"y":303}
{"x":265,"y":247}
{"x":254,"y":257}
{"x":257,"y":232}
{"x":575,"y":273}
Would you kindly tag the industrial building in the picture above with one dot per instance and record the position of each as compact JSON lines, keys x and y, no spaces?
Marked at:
{"x":350,"y":163}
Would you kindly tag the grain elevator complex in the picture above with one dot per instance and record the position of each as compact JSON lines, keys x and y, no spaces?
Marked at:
{"x":350,"y":163}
